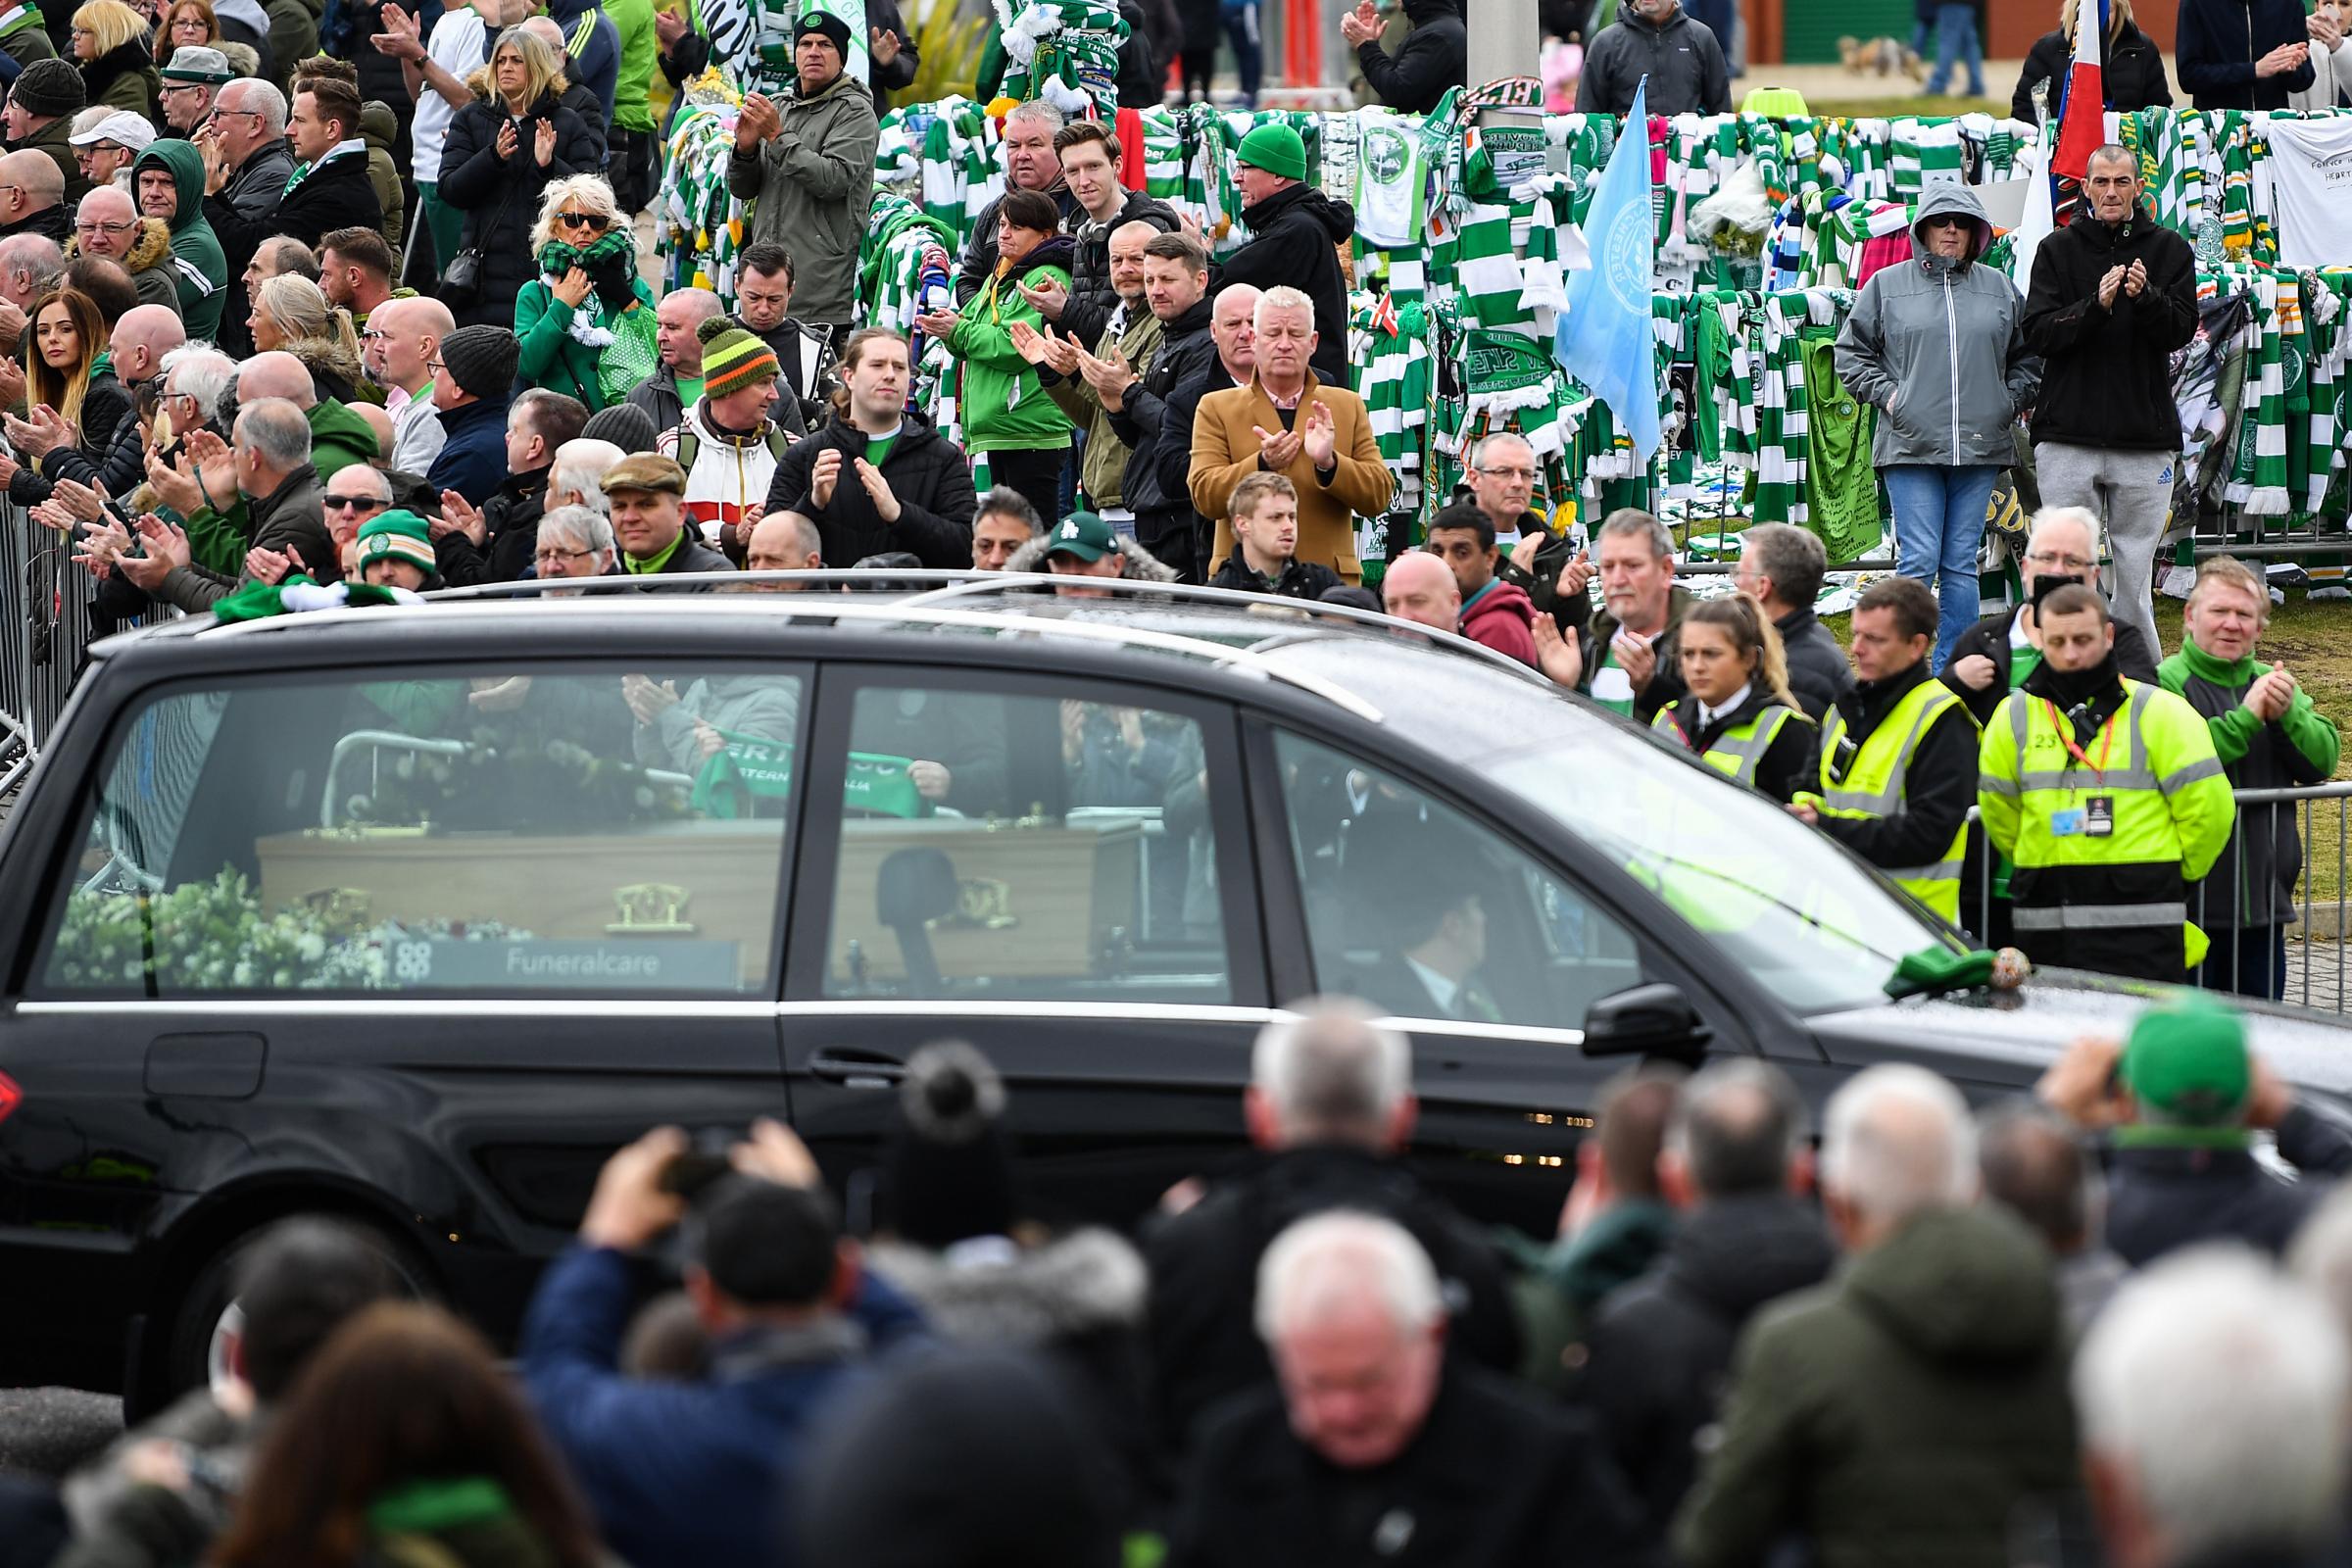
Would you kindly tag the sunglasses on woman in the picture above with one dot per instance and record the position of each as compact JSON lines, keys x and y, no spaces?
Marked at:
{"x":593,"y":222}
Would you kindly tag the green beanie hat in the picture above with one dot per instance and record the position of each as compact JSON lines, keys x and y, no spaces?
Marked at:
{"x":400,"y":533}
{"x":2187,"y":1064}
{"x":1275,"y":148}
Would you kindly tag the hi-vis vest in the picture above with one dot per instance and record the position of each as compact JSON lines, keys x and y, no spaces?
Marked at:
{"x":1875,"y":783}
{"x":1738,"y":750}
{"x":2171,"y":804}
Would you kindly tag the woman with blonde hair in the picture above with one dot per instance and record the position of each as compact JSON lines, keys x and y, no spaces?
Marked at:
{"x":110,"y":46}
{"x":1739,"y":714}
{"x":586,"y":322}
{"x":293,"y":313}
{"x":504,"y":150}
{"x":2130,"y":71}
{"x":186,"y":24}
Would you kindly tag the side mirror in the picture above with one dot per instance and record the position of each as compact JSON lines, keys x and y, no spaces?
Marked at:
{"x":1647,"y":1021}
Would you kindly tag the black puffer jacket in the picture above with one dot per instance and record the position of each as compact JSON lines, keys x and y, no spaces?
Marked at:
{"x":2132,"y":73}
{"x":1433,"y":57}
{"x":1293,"y":235}
{"x":500,"y":196}
{"x":1092,"y":298}
{"x":927,"y":472}
{"x":1204,"y":1272}
{"x":510,"y":535}
{"x":1659,"y":1351}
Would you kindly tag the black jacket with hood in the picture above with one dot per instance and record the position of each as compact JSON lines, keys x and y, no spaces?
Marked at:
{"x":1681,"y":59}
{"x":2107,"y":371}
{"x":927,"y":472}
{"x":1659,"y":1350}
{"x":1434,"y":56}
{"x":1818,"y":672}
{"x":1292,"y":239}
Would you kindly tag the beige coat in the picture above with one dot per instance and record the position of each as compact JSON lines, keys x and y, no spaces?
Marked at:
{"x":1225,"y":450}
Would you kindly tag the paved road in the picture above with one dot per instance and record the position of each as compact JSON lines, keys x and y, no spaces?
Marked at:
{"x":2328,"y":967}
{"x":49,"y":1430}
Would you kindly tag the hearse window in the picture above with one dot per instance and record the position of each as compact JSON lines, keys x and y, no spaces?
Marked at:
{"x":616,"y":832}
{"x":1024,"y":848}
{"x":1426,"y":915}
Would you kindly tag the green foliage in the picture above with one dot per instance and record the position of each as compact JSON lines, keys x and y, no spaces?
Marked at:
{"x":951,"y":44}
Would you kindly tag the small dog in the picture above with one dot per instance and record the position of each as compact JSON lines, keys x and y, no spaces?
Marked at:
{"x":1880,"y":57}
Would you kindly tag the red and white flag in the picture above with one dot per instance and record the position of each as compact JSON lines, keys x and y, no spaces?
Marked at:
{"x":2083,"y":110}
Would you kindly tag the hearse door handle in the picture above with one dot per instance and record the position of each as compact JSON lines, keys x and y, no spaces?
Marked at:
{"x":856,"y":1069}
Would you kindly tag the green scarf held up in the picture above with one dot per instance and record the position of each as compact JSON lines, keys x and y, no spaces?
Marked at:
{"x":558,"y":257}
{"x":20,"y":18}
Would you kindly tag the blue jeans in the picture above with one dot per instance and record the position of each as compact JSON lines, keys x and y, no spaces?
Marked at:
{"x":1956,"y":38}
{"x":1249,"y":48}
{"x":1938,"y":526}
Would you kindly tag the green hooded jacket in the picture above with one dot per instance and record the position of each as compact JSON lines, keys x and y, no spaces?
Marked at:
{"x":340,"y":438}
{"x":199,"y":269}
{"x":639,"y":50}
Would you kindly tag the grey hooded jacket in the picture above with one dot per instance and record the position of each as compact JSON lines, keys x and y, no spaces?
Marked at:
{"x":1681,"y":59}
{"x":1936,"y":346}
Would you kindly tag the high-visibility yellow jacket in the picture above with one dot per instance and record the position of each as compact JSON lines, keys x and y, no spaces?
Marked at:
{"x":2168,"y":812}
{"x":1876,"y":779}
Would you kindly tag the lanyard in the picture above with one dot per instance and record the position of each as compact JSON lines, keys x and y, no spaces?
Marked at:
{"x":2066,"y":737}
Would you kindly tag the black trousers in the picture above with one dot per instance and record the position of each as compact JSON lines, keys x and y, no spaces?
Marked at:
{"x":1036,"y":474}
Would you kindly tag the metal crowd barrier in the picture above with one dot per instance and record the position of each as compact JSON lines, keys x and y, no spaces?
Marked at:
{"x":2313,"y":965}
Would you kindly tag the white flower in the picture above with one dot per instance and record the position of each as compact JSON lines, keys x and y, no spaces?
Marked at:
{"x":311,"y":947}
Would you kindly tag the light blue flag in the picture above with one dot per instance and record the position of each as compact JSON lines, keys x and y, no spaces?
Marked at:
{"x":1605,"y":339}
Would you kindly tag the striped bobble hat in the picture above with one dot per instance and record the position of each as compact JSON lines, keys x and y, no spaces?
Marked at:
{"x":733,"y":359}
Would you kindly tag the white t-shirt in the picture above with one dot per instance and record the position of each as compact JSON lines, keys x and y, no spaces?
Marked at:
{"x":458,"y":46}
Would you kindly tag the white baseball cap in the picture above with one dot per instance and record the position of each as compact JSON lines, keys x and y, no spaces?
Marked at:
{"x":122,"y":128}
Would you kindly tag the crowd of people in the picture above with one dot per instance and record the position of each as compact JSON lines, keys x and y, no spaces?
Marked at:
{"x":2080,"y":1326}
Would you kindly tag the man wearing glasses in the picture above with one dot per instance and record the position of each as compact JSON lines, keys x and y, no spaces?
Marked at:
{"x":1996,"y":654}
{"x":353,"y":497}
{"x":108,"y":227}
{"x":246,"y":166}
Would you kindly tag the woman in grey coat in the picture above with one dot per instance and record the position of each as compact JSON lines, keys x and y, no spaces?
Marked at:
{"x":1935,"y":345}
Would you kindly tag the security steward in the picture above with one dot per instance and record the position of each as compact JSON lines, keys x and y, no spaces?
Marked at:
{"x":2108,"y":797}
{"x":1898,"y":753}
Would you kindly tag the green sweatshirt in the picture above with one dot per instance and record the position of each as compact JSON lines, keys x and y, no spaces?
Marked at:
{"x":2234,"y":729}
{"x":640,"y":49}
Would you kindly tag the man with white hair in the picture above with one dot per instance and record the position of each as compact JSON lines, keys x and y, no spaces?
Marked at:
{"x":1375,"y":1446}
{"x":283,"y":503}
{"x":572,"y":481}
{"x":2214,"y":1395}
{"x":1330,"y":1104}
{"x":575,"y":541}
{"x":1901,"y":1411}
{"x":1995,"y":656}
{"x":107,"y":225}
{"x":1290,"y":421}
{"x":1030,"y":164}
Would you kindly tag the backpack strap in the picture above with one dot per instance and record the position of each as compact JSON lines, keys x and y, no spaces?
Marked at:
{"x":689,"y":445}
